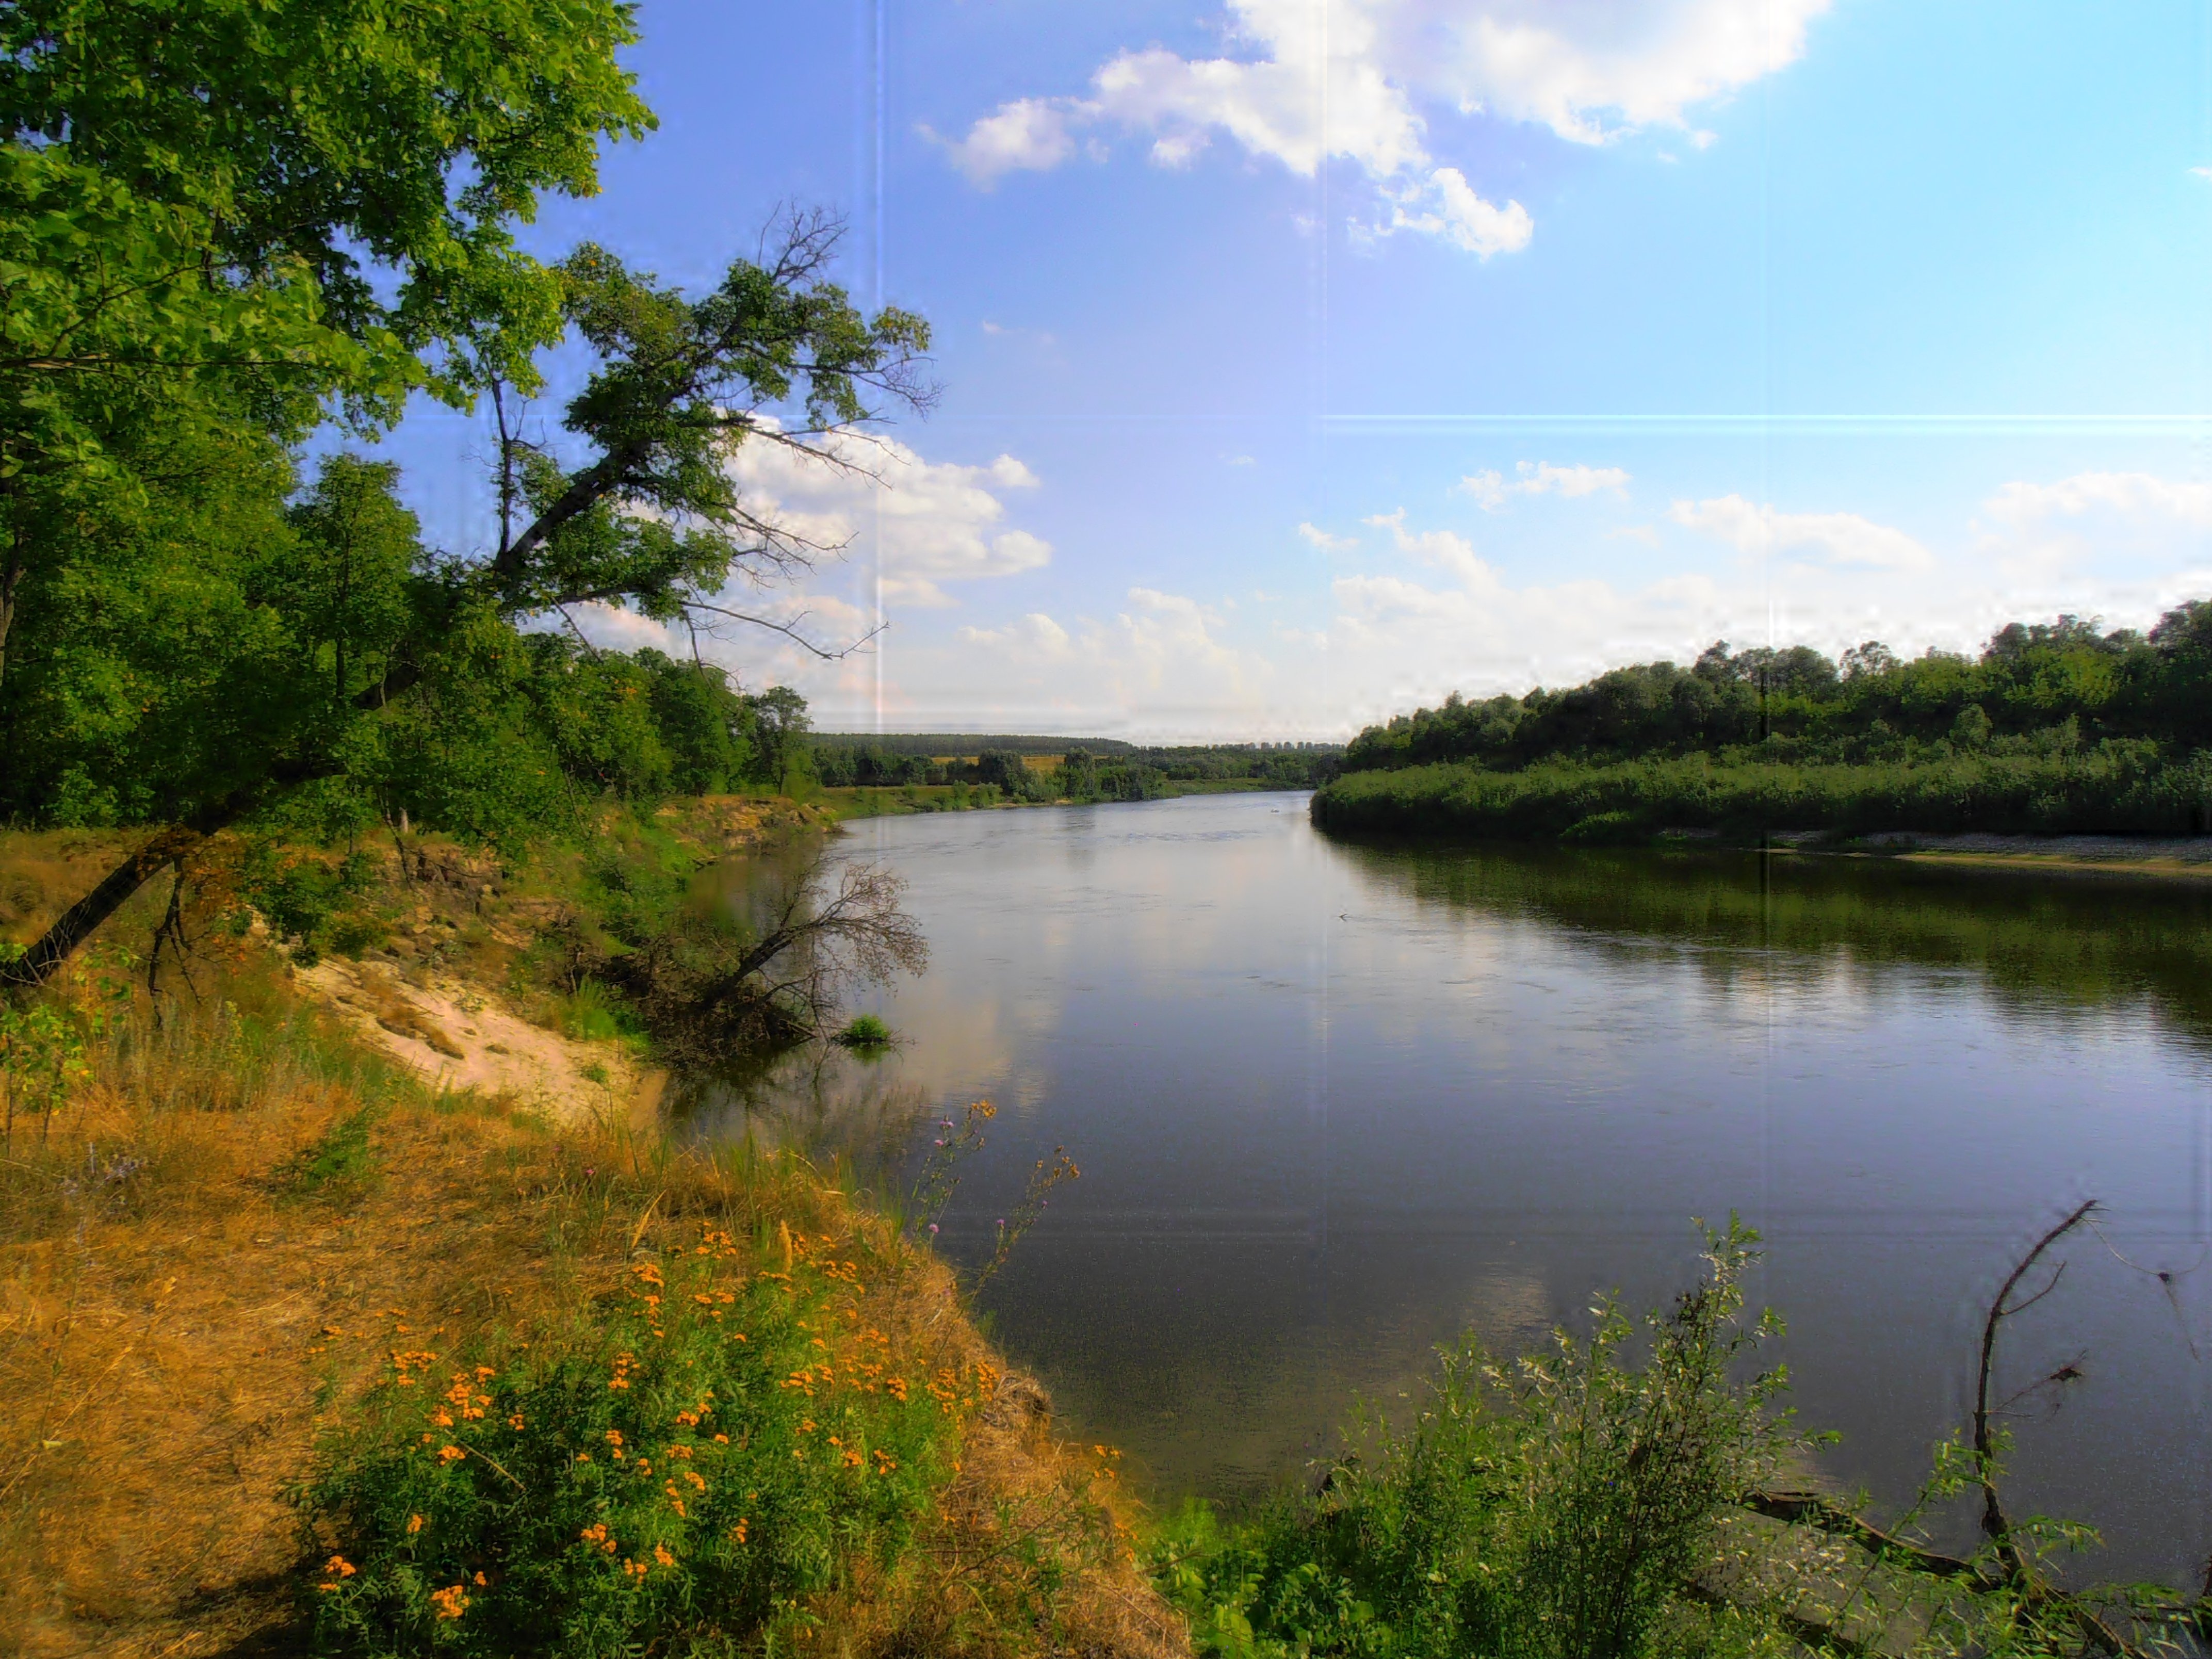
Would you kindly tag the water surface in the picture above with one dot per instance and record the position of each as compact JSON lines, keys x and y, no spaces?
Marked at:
{"x":1333,"y":1103}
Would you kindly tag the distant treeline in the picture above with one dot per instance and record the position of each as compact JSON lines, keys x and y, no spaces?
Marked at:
{"x":2054,"y":727}
{"x":1056,"y":768}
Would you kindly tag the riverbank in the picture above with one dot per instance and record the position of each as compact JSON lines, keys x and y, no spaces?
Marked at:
{"x":893,"y":800}
{"x":245,"y":1246}
{"x":2081,"y":811}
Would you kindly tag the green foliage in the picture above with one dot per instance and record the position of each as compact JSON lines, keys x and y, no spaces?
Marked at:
{"x":590,"y":1014}
{"x":865,"y":1032}
{"x":328,"y":145}
{"x":300,"y":894}
{"x":47,"y":1043}
{"x":2119,"y":787}
{"x":2041,"y":688}
{"x":1558,"y":1509}
{"x":338,"y":1165}
{"x":675,"y":1475}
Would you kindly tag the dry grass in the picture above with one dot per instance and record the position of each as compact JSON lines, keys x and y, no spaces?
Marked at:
{"x":180,"y":1320}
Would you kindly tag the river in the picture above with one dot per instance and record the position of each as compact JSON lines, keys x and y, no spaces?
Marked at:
{"x":1334,"y":1103}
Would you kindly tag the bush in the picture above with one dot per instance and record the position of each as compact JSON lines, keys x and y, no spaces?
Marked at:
{"x":864,"y":1032}
{"x":676,"y":1474}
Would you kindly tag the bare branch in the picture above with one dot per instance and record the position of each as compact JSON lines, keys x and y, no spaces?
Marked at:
{"x":1995,"y":1524}
{"x":789,"y":630}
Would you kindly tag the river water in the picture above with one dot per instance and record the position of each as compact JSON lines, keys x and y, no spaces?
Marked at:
{"x":1334,"y":1103}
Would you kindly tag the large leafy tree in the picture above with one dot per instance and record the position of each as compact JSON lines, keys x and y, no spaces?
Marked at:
{"x":217,"y":213}
{"x":388,"y":667}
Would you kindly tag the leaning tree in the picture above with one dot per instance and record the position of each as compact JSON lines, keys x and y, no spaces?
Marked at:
{"x":307,"y":212}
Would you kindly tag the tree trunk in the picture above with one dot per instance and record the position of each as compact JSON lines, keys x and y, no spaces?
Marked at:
{"x":76,"y":924}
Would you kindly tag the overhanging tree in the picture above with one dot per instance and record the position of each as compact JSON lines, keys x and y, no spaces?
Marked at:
{"x":650,"y":517}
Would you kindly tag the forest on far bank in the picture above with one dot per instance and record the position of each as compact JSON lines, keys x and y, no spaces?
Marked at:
{"x":2055,"y":727}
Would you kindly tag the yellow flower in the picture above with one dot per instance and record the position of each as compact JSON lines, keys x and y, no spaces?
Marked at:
{"x":340,"y":1565}
{"x":452,"y":1602}
{"x":450,"y":1454}
{"x":413,"y":1525}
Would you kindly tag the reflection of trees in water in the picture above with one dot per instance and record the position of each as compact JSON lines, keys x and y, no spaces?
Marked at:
{"x":2045,"y":942}
{"x":819,"y":1101}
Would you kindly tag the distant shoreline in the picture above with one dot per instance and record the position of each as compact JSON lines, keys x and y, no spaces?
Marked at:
{"x":2186,"y":859}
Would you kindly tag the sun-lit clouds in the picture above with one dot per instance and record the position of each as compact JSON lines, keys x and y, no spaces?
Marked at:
{"x":1446,"y":550}
{"x":1593,"y":70}
{"x":1327,"y":542}
{"x":1493,"y":490}
{"x":1030,"y":135}
{"x":914,"y":524}
{"x":1839,"y":537}
{"x":1159,"y":665}
{"x":1305,"y":81}
{"x":2138,"y":523}
{"x":1446,"y":205}
{"x":2130,"y":494}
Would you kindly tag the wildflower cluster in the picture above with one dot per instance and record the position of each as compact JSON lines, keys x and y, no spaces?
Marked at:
{"x":698,"y":1462}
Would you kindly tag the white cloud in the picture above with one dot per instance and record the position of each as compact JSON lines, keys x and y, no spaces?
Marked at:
{"x":1351,"y":78}
{"x":1327,"y":544}
{"x":2132,"y":495}
{"x":1030,"y":135}
{"x":1491,"y":489}
{"x":1447,"y":206}
{"x":1444,"y":549}
{"x":2201,"y":173}
{"x":1158,"y":665}
{"x":916,"y":524}
{"x":1841,"y":537}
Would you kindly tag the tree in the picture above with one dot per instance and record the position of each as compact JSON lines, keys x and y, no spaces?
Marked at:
{"x":780,"y":724}
{"x":651,"y":518}
{"x":710,"y":987}
{"x":217,"y":214}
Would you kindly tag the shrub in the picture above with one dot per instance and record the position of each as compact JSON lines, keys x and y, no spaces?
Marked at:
{"x":864,"y":1032}
{"x":1556,"y":1509}
{"x":680,"y":1471}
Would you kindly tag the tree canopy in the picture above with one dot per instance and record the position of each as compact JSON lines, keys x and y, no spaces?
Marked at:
{"x":2066,"y":680}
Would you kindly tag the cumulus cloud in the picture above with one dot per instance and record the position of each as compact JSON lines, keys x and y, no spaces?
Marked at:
{"x":1840,"y":537}
{"x":1327,"y":542}
{"x":916,"y":524}
{"x":2132,"y":495}
{"x":1158,"y":664}
{"x":1314,"y":79}
{"x":1030,"y":135}
{"x":1446,"y":206}
{"x":1493,"y":490}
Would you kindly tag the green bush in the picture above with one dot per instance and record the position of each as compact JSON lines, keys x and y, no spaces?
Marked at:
{"x":863,"y":1032}
{"x":1559,"y":1508}
{"x":676,"y":1474}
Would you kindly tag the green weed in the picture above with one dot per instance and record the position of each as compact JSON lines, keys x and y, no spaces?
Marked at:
{"x":865,"y":1032}
{"x":338,"y":1165}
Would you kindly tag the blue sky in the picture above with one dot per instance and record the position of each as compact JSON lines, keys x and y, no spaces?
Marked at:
{"x":1306,"y":359}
